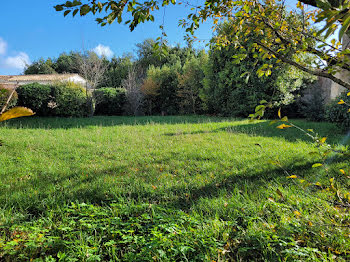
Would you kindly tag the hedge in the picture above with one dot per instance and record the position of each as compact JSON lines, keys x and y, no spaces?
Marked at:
{"x":60,"y":99}
{"x":109,"y":101}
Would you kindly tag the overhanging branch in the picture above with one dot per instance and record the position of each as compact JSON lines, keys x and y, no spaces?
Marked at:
{"x":305,"y":69}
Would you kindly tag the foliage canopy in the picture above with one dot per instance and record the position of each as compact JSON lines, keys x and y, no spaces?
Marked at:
{"x":286,"y":35}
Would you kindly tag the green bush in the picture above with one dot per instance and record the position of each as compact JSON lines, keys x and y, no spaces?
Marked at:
{"x":161,"y":89}
{"x":109,"y":101}
{"x":339,"y":113}
{"x":68,"y":100}
{"x":60,"y":99}
{"x":4,"y":95}
{"x":35,"y":96}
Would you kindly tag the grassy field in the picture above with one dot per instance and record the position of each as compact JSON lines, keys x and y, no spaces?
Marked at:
{"x":167,"y":189}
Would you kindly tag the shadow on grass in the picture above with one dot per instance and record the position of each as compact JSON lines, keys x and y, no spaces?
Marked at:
{"x":264,"y":129}
{"x":45,"y":192}
{"x":105,"y":121}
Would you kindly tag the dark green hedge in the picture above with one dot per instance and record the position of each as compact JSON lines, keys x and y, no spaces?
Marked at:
{"x":61,"y":99}
{"x":109,"y":101}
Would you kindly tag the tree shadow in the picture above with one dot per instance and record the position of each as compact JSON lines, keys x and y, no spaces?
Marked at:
{"x":104,"y":121}
{"x":55,"y":190}
{"x":265,"y":129}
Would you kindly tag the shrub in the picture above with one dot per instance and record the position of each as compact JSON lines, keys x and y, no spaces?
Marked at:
{"x":4,"y":95}
{"x":60,"y":99}
{"x":35,"y":96}
{"x":109,"y":101}
{"x":162,"y":82}
{"x":150,"y":90}
{"x":68,"y":100}
{"x":339,"y":113}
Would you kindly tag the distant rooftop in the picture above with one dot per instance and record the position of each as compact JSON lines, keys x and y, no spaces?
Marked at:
{"x":41,"y":77}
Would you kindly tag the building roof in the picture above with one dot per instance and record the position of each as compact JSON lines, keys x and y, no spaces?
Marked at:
{"x":7,"y":86}
{"x":41,"y":77}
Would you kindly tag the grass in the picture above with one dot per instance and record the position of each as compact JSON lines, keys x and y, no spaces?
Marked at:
{"x":166,"y":189}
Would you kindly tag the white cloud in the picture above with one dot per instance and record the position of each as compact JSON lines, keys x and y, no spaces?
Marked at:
{"x":102,"y":50}
{"x":3,"y":46}
{"x":18,"y":62}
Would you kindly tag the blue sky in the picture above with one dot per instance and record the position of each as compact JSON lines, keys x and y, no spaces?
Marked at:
{"x":33,"y":29}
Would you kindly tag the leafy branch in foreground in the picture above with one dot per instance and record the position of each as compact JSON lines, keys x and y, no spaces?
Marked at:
{"x":337,"y":195}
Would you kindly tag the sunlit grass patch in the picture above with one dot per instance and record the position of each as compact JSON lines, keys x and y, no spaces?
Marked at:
{"x":69,"y":185}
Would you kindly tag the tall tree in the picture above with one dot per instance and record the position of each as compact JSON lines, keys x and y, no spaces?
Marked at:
{"x":41,"y":66}
{"x":117,"y":70}
{"x":67,"y":63}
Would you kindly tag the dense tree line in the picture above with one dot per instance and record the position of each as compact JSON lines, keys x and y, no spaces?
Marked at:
{"x":186,"y":80}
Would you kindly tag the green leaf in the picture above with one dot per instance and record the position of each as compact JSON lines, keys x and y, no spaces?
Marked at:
{"x":84,"y":10}
{"x":284,"y":119}
{"x":58,"y":7}
{"x":68,"y":4}
{"x":75,"y":12}
{"x":66,"y":13}
{"x":344,"y":28}
{"x":317,"y":165}
{"x":76,"y":3}
{"x":259,"y":108}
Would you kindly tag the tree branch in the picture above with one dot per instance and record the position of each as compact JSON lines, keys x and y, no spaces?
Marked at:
{"x":309,"y":2}
{"x":9,"y":99}
{"x":331,"y":60}
{"x":305,"y":69}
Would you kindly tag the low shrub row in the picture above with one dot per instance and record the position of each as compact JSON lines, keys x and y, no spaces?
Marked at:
{"x":60,"y":99}
{"x":69,"y":100}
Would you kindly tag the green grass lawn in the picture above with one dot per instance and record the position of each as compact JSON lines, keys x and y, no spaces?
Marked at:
{"x":167,"y":189}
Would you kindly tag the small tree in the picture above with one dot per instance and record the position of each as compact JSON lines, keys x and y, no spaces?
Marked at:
{"x":134,"y":95}
{"x":92,"y":68}
{"x":150,"y":88}
{"x":191,"y":84}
